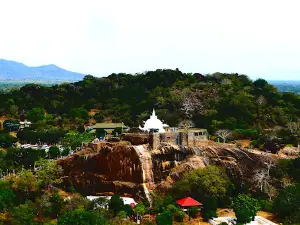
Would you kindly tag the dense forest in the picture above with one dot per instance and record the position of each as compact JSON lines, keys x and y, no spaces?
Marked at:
{"x":217,"y":101}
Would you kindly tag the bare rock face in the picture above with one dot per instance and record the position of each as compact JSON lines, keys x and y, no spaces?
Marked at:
{"x":125,"y":168}
{"x":115,"y":168}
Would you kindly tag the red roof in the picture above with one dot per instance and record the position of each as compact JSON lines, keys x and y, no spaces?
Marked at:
{"x":188,"y":201}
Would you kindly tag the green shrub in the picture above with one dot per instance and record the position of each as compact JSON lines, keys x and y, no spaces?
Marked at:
{"x":165,"y":218}
{"x":179,"y":216}
{"x":209,"y":214}
{"x":266,"y":205}
{"x":255,"y":144}
{"x":116,"y":204}
{"x":79,"y":217}
{"x":53,"y":152}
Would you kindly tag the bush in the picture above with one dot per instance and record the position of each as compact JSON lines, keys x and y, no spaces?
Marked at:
{"x":179,"y":216}
{"x":210,"y":208}
{"x":53,"y":152}
{"x":245,"y":134}
{"x":266,"y":205}
{"x":6,"y":140}
{"x":209,"y":214}
{"x":7,"y":198}
{"x":255,"y":144}
{"x":23,"y":214}
{"x":165,"y":218}
{"x":66,"y":152}
{"x":116,"y":204}
{"x":79,"y":217}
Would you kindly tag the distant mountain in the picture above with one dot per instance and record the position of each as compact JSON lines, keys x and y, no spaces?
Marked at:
{"x":11,"y":70}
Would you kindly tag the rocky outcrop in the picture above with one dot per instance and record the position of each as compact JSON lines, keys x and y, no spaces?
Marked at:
{"x":171,"y":162}
{"x":290,"y":151}
{"x":136,"y":169}
{"x":114,"y":168}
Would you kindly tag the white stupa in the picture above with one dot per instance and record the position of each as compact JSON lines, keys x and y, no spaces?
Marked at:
{"x":154,"y":124}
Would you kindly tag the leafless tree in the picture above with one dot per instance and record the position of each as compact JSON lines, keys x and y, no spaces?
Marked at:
{"x":294,"y":128}
{"x":192,"y":102}
{"x":224,"y":134}
{"x":263,"y":180}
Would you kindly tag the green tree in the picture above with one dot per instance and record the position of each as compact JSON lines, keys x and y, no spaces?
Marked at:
{"x":210,"y":181}
{"x":210,"y":206}
{"x":116,"y":204}
{"x":7,"y":198}
{"x":128,"y":209}
{"x":36,"y":114}
{"x":49,"y":205}
{"x":65,"y":151}
{"x":53,"y":152}
{"x":99,"y":117}
{"x":75,"y":139}
{"x":287,"y":202}
{"x":81,"y":217}
{"x":24,"y":214}
{"x":139,"y":209}
{"x":49,"y":172}
{"x":79,"y":113}
{"x":7,"y":140}
{"x":179,"y":215}
{"x":24,"y":185}
{"x":165,"y":218}
{"x":245,"y":208}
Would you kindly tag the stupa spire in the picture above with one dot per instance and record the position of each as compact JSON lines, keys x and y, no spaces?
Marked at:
{"x":153,"y":113}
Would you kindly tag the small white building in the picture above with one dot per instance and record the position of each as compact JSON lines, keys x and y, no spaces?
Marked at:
{"x":127,"y":200}
{"x":24,"y":124}
{"x":258,"y":220}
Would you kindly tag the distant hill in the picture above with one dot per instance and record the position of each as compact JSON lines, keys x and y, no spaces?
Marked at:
{"x":11,"y":70}
{"x":287,"y":85}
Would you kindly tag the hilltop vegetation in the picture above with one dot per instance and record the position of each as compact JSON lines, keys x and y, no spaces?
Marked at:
{"x":216,"y":101}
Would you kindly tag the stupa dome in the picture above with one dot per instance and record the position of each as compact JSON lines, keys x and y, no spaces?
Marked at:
{"x":154,"y":124}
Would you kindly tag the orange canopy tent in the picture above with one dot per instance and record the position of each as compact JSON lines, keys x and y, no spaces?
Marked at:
{"x":187,"y":202}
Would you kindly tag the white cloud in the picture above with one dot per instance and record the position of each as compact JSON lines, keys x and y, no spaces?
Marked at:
{"x":258,"y":38}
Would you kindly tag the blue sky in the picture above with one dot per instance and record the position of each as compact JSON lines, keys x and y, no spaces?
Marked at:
{"x":257,"y":38}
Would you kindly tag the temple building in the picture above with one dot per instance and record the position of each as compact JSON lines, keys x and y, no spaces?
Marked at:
{"x":108,"y":129}
{"x":153,"y":124}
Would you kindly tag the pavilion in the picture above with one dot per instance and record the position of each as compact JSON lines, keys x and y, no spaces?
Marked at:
{"x":188,"y":202}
